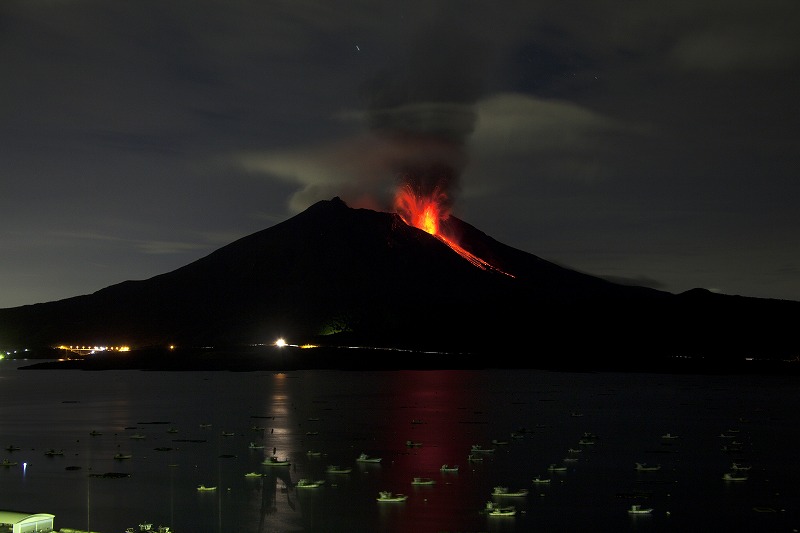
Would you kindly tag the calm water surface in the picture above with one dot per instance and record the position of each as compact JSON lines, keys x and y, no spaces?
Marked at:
{"x":537,"y":417}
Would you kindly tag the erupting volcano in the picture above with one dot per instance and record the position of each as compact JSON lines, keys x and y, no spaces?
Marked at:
{"x":427,"y":212}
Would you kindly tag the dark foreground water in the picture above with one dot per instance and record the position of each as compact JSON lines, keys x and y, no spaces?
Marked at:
{"x":537,"y":416}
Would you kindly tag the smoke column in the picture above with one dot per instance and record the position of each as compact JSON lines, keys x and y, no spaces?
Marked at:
{"x":425,"y":108}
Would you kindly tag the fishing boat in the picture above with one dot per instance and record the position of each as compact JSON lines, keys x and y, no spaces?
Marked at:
{"x":122,"y":456}
{"x":638,"y":509}
{"x":413,"y":444}
{"x":644,"y":467}
{"x":253,"y":474}
{"x":304,"y":483}
{"x":12,"y":448}
{"x":447,"y":468}
{"x":255,"y":446}
{"x":539,"y":479}
{"x":274,"y":461}
{"x":6,"y":462}
{"x":52,"y":451}
{"x":492,"y":509}
{"x":504,"y":491}
{"x":336,"y":469}
{"x":423,"y":481}
{"x":386,"y":496}
{"x":740,"y":466}
{"x":203,"y":488}
{"x":556,"y":468}
{"x":364,"y":458}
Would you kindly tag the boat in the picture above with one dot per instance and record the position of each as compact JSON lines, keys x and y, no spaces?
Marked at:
{"x":203,"y":488}
{"x":413,"y":444}
{"x":228,"y":433}
{"x":729,"y":476}
{"x":423,"y":481}
{"x":472,"y":458}
{"x":12,"y":448}
{"x":669,"y":436}
{"x":254,"y":446}
{"x":313,"y":453}
{"x":146,"y":526}
{"x":336,"y":469}
{"x":304,"y":483}
{"x":500,"y":510}
{"x":121,"y":456}
{"x":498,"y":442}
{"x":740,"y":466}
{"x":477,"y":448}
{"x":364,"y":458}
{"x":386,"y":496}
{"x":6,"y":462}
{"x":53,"y":451}
{"x":138,"y":436}
{"x":638,"y":509}
{"x":556,"y":468}
{"x":274,"y":461}
{"x":253,"y":474}
{"x":539,"y":479}
{"x":503,"y":491}
{"x":172,"y":430}
{"x":447,"y":468}
{"x":94,"y":433}
{"x":644,"y":467}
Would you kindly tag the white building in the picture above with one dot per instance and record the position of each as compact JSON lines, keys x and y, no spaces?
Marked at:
{"x":15,"y":522}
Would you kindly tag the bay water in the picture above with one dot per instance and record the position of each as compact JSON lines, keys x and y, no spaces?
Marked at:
{"x":189,"y":428}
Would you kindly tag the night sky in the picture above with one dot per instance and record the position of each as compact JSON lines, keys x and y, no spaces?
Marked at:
{"x":656,"y":144}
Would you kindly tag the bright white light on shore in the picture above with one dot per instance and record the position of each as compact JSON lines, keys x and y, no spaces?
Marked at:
{"x":280,"y":343}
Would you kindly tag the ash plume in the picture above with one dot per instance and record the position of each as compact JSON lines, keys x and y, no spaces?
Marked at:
{"x":424,"y":106}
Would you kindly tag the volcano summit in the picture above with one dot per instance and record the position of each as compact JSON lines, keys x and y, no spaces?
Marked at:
{"x":337,"y":276}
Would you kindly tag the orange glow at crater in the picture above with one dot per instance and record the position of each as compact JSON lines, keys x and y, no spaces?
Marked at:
{"x":426,"y":212}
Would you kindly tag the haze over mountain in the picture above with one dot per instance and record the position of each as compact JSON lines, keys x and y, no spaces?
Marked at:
{"x":335,"y":276}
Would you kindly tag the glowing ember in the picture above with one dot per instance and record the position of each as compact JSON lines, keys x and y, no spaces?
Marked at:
{"x":425,"y":213}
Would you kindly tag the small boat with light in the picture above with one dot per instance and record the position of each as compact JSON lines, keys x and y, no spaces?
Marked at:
{"x":253,"y":474}
{"x":413,"y":444}
{"x":386,"y":496}
{"x":336,"y":469}
{"x":423,"y":481}
{"x":12,"y":448}
{"x":644,"y":467}
{"x":122,"y":456}
{"x":6,"y":462}
{"x":740,"y":466}
{"x":274,"y":461}
{"x":504,"y":491}
{"x":255,"y":446}
{"x":304,"y":483}
{"x":364,"y":458}
{"x":669,"y":436}
{"x":539,"y":479}
{"x":556,"y":468}
{"x":448,"y":468}
{"x":492,"y":509}
{"x":52,"y":451}
{"x":203,"y":488}
{"x":638,"y":509}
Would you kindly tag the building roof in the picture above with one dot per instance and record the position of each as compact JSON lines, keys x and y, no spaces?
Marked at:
{"x":16,"y":517}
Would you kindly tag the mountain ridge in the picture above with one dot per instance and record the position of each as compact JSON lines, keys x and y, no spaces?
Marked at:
{"x":335,"y":275}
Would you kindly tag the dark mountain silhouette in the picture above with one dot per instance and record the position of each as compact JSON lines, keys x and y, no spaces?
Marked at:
{"x":336,"y":276}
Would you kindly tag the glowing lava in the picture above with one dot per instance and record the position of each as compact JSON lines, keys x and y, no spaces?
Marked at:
{"x":425,"y":213}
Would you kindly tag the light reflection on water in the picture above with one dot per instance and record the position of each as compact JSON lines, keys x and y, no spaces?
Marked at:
{"x":341,"y":414}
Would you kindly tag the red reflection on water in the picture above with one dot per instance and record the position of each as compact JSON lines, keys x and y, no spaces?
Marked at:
{"x":435,"y":411}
